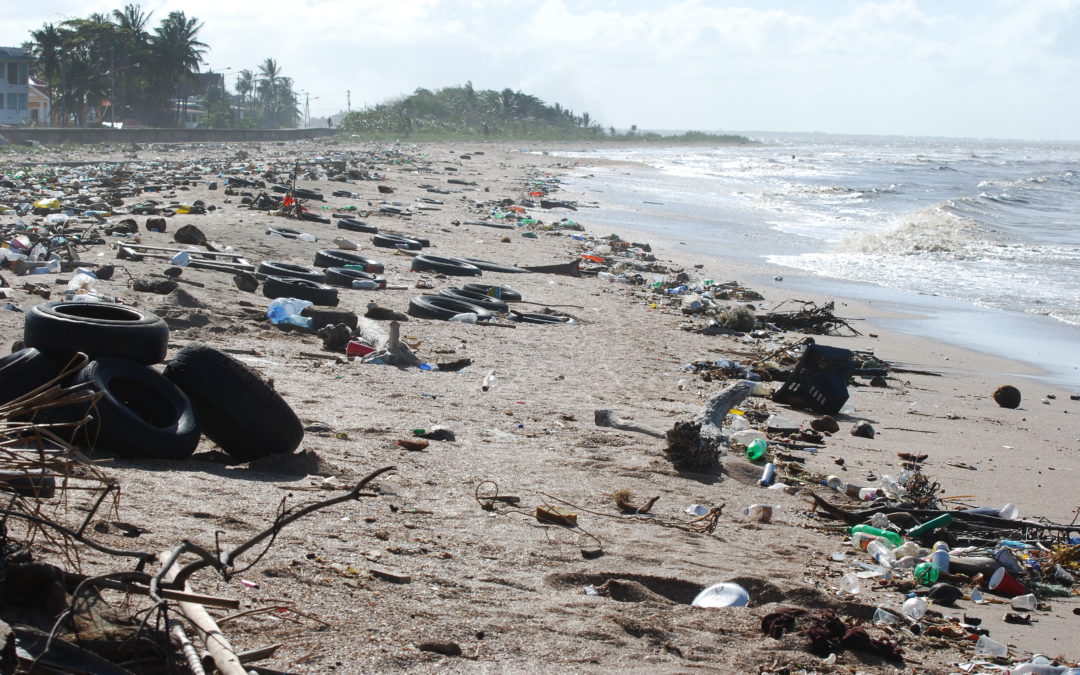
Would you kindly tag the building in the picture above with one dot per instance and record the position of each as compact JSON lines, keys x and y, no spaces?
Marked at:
{"x":14,"y":85}
{"x":40,"y":103}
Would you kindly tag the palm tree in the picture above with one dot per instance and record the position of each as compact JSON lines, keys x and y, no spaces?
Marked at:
{"x":177,"y":50}
{"x":245,"y":84}
{"x":132,"y":19}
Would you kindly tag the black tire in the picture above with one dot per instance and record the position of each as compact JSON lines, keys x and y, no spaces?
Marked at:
{"x":530,"y":317}
{"x":335,"y":257}
{"x":314,"y":217}
{"x":23,"y":372}
{"x":442,"y":307}
{"x":60,"y":329}
{"x":504,"y":293}
{"x":392,"y":241}
{"x":487,"y":302}
{"x":320,"y":316}
{"x":343,"y":277}
{"x":283,"y":269}
{"x":301,"y":289}
{"x":141,"y":414}
{"x":354,"y":225}
{"x":235,"y":407}
{"x":456,"y":268}
{"x":489,"y":266}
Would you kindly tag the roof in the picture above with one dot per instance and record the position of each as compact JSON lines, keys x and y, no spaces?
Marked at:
{"x":14,"y":53}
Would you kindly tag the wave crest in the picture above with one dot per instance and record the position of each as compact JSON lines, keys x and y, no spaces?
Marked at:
{"x":930,"y":230}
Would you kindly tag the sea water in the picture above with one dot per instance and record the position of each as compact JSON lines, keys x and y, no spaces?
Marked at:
{"x":978,"y":240}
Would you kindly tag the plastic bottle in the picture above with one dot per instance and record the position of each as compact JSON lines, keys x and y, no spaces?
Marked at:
{"x":908,"y":548}
{"x":780,"y":422}
{"x":893,"y":537}
{"x":914,"y":608}
{"x":940,"y":557}
{"x":930,"y":525}
{"x":287,"y":310}
{"x":880,"y":521}
{"x":926,"y":574}
{"x":882,"y":553}
{"x":764,"y":513}
{"x":1042,"y":669}
{"x":755,"y":450}
{"x":768,"y":476}
{"x":869,"y":494}
{"x":859,"y":540}
{"x":892,"y":487}
{"x":364,"y":284}
{"x":489,"y":381}
{"x":304,"y":236}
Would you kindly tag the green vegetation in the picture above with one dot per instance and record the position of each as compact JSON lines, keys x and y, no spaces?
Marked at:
{"x":110,"y":67}
{"x":464,"y":113}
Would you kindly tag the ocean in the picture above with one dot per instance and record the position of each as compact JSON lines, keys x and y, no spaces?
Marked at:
{"x":978,"y":240}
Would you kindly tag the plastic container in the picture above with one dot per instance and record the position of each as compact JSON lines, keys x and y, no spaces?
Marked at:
{"x":881,"y":552}
{"x":743,"y":438}
{"x":781,"y":423}
{"x":1026,"y":602}
{"x":181,"y":259}
{"x":768,"y":475}
{"x":880,"y":521}
{"x":882,"y":615}
{"x":764,"y":513}
{"x":1004,"y":583}
{"x":908,"y":548}
{"x":722,"y":595}
{"x":364,"y":285}
{"x":860,"y":540}
{"x":304,"y":236}
{"x":849,"y":583}
{"x":755,"y":450}
{"x":287,"y":310}
{"x":926,"y":574}
{"x":940,"y":557}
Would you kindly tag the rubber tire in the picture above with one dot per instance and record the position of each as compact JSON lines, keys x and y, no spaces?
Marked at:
{"x":505,"y":294}
{"x":277,"y":268}
{"x":489,"y":266}
{"x":353,"y":225}
{"x":392,"y":241}
{"x":301,"y":289}
{"x":343,"y":277}
{"x":60,"y":329}
{"x":530,"y":317}
{"x":442,"y":307}
{"x":333,"y":257}
{"x":142,"y":414}
{"x":235,"y":407}
{"x":487,"y":302}
{"x":23,"y":372}
{"x":370,"y":266}
{"x":450,"y":266}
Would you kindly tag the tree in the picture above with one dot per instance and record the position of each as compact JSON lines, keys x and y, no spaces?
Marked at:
{"x":278,"y":105}
{"x":177,"y":53}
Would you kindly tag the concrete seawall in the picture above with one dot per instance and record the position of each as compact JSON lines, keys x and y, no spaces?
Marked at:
{"x":60,"y":136}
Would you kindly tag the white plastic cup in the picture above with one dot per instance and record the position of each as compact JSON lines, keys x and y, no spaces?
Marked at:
{"x":882,"y":615}
{"x":1026,"y":602}
{"x":849,"y":583}
{"x":990,"y":647}
{"x":914,"y":608}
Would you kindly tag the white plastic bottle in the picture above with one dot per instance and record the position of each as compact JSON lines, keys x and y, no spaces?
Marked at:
{"x":764,"y":513}
{"x":489,"y":381}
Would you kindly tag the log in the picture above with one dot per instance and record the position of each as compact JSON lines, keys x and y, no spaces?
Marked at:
{"x":697,"y":443}
{"x":608,"y":418}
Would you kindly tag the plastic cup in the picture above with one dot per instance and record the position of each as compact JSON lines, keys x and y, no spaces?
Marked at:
{"x":1026,"y":602}
{"x":990,"y":647}
{"x":1004,"y":583}
{"x":722,"y":595}
{"x":914,"y":608}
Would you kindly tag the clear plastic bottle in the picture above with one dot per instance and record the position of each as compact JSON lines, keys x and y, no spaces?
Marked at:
{"x":764,"y":513}
{"x":882,"y":553}
{"x":287,"y":310}
{"x":914,"y":608}
{"x":741,"y":439}
{"x":892,"y":487}
{"x":489,"y":381}
{"x":364,"y":284}
{"x":869,"y":494}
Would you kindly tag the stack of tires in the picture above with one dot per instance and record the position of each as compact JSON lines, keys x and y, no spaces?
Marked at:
{"x":142,"y":412}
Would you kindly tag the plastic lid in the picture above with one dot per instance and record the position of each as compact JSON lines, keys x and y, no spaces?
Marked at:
{"x":722,"y":595}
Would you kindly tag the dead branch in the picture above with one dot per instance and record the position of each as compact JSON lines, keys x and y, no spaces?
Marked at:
{"x":608,"y":418}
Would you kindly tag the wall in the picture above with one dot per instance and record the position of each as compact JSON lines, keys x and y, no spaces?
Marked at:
{"x":57,"y":136}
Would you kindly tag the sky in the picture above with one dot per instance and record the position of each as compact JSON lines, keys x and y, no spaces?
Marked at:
{"x":957,"y":68}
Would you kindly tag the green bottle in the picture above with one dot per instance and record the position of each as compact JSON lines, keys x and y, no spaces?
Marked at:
{"x":894,"y":538}
{"x":930,"y":525}
{"x":756,"y":450}
{"x":926,"y":574}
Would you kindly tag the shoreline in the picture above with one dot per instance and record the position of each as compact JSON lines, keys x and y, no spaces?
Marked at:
{"x":511,"y":592}
{"x":990,"y":331}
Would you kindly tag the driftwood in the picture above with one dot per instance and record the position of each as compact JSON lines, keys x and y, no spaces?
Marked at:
{"x":388,"y":345}
{"x":697,"y":443}
{"x":607,"y":418}
{"x":812,"y":318}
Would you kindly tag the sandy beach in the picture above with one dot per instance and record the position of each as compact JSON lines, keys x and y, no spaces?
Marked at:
{"x":515,"y":594}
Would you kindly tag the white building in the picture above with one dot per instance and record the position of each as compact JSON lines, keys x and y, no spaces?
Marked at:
{"x":14,"y":85}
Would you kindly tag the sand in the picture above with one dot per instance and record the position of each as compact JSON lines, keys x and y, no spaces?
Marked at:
{"x":511,"y":592}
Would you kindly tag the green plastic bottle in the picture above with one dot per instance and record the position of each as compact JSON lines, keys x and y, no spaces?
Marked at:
{"x":756,"y":450}
{"x":926,"y":574}
{"x":893,"y":537}
{"x":930,"y":525}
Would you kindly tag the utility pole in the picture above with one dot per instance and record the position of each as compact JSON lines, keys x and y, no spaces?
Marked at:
{"x":348,"y":101}
{"x":307,"y":110}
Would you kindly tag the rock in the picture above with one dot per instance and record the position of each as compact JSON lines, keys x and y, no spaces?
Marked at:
{"x":444,"y":648}
{"x":386,"y":189}
{"x":944,"y":594}
{"x":173,"y":272}
{"x":159,"y":286}
{"x":156,"y":224}
{"x":105,"y":272}
{"x":246,"y":282}
{"x":189,"y":234}
{"x":826,"y":424}
{"x":1007,"y":396}
{"x":863,"y":430}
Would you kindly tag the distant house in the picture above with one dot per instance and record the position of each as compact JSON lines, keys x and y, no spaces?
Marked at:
{"x":14,"y":85}
{"x":39,"y":101}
